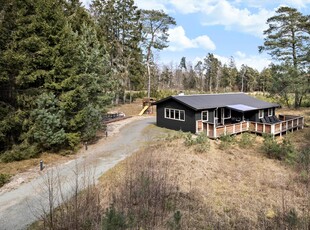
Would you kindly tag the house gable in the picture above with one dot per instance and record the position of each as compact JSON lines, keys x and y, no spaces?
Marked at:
{"x":186,"y":125}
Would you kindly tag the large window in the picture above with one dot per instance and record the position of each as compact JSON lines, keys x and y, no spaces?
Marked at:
{"x":175,"y":114}
{"x":204,"y":116}
{"x":260,"y":113}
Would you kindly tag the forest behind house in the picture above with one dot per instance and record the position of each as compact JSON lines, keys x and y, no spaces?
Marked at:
{"x":62,"y":66}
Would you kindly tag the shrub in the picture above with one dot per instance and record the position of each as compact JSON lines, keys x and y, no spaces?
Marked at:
{"x":303,"y":159}
{"x":226,"y":141}
{"x":113,"y":220}
{"x":4,"y":178}
{"x":286,"y":219}
{"x":135,"y":95}
{"x":303,"y":164}
{"x":174,"y":136}
{"x":189,"y":141}
{"x":246,"y":140}
{"x":202,"y":143}
{"x":21,"y":152}
{"x":175,"y":222}
{"x":201,"y":138}
{"x":73,"y":139}
{"x":280,"y":151}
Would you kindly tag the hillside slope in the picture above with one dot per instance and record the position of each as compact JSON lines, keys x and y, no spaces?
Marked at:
{"x":231,"y":187}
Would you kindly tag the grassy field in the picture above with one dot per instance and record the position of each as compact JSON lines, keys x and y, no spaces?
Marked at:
{"x":221,"y":185}
{"x":179,"y":182}
{"x":231,"y":185}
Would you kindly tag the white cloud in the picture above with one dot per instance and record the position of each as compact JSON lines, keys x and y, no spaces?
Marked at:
{"x":185,"y":6}
{"x":218,"y":12}
{"x":266,"y":3}
{"x":223,"y":13}
{"x":86,"y":3}
{"x":255,"y":61}
{"x":179,"y":41}
{"x":240,"y":54}
{"x":152,"y":5}
{"x":234,"y":14}
{"x":204,"y":42}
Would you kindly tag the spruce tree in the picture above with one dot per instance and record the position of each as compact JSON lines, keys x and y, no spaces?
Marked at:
{"x":58,"y":73}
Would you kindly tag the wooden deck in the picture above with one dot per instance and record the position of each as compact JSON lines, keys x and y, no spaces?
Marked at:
{"x":286,"y":123}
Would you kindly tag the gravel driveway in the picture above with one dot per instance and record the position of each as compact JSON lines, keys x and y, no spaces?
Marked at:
{"x":22,"y":206}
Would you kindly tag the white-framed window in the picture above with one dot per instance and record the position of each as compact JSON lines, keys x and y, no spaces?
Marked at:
{"x":204,"y":115}
{"x":175,"y":114}
{"x":261,"y":113}
{"x":270,"y":112}
{"x":182,"y":115}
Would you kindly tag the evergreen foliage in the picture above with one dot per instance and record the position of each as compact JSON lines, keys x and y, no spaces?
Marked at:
{"x":119,"y":24}
{"x":287,"y":41}
{"x":55,"y":80}
{"x":280,"y":151}
{"x":155,"y":25}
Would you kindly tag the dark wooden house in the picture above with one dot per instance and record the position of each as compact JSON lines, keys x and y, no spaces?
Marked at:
{"x":219,"y":114}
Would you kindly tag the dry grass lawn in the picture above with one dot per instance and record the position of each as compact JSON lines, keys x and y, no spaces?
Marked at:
{"x":225,"y":184}
{"x":220,"y":184}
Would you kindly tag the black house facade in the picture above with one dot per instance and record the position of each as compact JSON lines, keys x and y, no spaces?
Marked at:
{"x":189,"y":112}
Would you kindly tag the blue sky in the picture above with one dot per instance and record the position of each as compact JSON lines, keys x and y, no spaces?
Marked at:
{"x":222,"y":27}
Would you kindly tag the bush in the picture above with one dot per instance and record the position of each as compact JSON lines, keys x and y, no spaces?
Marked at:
{"x":201,"y":138}
{"x":226,"y":141}
{"x":202,"y":143}
{"x":135,"y":95}
{"x":304,"y":159}
{"x":175,"y":222}
{"x":280,"y":151}
{"x":20,"y":152}
{"x":73,"y":139}
{"x":4,"y":178}
{"x":189,"y":141}
{"x":303,"y":164}
{"x":114,"y":220}
{"x":159,"y":94}
{"x":174,"y":136}
{"x":246,"y":140}
{"x":286,"y":219}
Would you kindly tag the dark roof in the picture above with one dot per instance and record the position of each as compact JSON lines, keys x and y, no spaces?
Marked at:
{"x":209,"y":101}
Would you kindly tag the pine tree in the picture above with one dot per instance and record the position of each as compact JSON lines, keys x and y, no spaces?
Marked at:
{"x":287,"y":41}
{"x":212,"y":66}
{"x":155,"y":25}
{"x":119,"y":23}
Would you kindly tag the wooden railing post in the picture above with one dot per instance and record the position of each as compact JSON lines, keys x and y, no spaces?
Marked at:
{"x":214,"y":131}
{"x":272,"y":129}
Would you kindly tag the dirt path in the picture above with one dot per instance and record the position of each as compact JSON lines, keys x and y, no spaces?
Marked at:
{"x":22,"y":204}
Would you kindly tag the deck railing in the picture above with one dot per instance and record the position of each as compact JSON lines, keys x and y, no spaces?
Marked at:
{"x":286,"y":123}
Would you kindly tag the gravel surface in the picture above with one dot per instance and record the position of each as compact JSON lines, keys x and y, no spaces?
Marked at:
{"x":23,"y":205}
